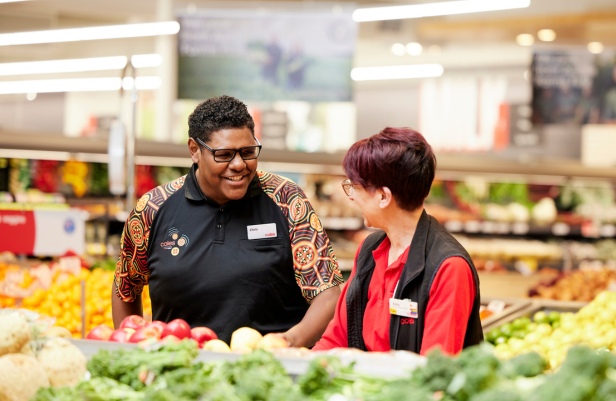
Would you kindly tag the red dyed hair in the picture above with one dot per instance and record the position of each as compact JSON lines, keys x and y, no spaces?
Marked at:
{"x":397,"y":158}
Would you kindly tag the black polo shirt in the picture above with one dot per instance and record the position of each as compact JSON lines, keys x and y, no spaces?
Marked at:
{"x":202,"y":267}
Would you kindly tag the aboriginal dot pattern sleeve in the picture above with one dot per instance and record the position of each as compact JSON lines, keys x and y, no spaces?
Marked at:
{"x":314,"y":262}
{"x":132,"y":271}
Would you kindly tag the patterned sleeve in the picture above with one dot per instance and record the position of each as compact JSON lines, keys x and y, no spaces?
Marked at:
{"x":314,"y":261}
{"x":132,"y":271}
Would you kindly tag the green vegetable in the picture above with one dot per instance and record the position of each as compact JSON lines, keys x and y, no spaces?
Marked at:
{"x":526,"y":365}
{"x":135,"y":367}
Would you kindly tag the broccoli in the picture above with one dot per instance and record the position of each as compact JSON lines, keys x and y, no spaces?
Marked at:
{"x":437,"y":373}
{"x":479,"y":370}
{"x":528,"y":364}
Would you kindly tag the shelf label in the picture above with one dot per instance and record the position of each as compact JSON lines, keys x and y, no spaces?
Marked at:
{"x":496,"y":305}
{"x":453,"y":226}
{"x":488,"y":227}
{"x":561,"y":229}
{"x":607,"y":230}
{"x":472,"y":226}
{"x":520,"y":228}
{"x":503,"y":228}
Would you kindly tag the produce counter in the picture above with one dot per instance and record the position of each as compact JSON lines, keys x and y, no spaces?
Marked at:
{"x":295,"y":361}
{"x":528,"y":308}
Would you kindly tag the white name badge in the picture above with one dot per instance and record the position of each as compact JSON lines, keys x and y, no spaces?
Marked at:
{"x":403,"y":307}
{"x":261,"y":231}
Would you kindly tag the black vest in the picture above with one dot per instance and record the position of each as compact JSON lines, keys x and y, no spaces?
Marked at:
{"x":430,"y":246}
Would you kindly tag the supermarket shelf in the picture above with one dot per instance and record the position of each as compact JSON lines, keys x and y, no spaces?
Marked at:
{"x":558,"y":229}
{"x":295,"y":361}
{"x":14,"y":143}
{"x":535,"y":306}
{"x":510,"y":306}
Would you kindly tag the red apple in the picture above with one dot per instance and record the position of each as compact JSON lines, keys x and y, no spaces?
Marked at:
{"x":178,"y":328}
{"x":170,"y":339}
{"x":121,"y":335}
{"x":133,"y":322}
{"x":145,"y":332}
{"x":159,"y":324}
{"x":100,"y":332}
{"x":202,"y":335}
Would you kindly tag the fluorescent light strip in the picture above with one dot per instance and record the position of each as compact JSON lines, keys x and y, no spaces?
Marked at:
{"x":396,"y":72}
{"x":77,"y":85}
{"x":434,"y":9}
{"x":79,"y":65}
{"x":11,"y":1}
{"x":90,"y":33}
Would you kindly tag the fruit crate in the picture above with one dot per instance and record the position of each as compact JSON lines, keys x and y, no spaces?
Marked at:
{"x":502,"y":308}
{"x":533,"y":307}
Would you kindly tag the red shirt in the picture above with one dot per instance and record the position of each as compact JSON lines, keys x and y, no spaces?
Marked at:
{"x":451,"y":300}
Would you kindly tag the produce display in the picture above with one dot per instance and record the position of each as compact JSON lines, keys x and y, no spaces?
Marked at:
{"x":172,"y":372}
{"x":33,"y":357}
{"x":135,"y":329}
{"x":578,"y":285}
{"x":552,"y":333}
{"x":56,"y":291}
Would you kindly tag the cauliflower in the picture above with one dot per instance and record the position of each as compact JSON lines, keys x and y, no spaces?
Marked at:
{"x":15,"y":333}
{"x":20,"y":377}
{"x":63,"y":362}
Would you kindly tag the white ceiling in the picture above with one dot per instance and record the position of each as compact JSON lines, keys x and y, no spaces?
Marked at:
{"x":469,"y":41}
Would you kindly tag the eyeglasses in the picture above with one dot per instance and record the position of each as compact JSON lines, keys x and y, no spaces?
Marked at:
{"x":226,"y":155}
{"x":348,"y":188}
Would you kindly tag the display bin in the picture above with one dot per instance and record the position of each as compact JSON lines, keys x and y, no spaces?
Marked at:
{"x":533,"y":307}
{"x":511,"y":305}
{"x":295,"y":360}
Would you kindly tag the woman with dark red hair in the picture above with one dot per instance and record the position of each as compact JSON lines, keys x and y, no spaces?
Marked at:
{"x":413,"y":286}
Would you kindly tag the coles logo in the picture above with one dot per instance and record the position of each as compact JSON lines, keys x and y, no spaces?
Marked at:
{"x":407,"y":320}
{"x":69,"y":226}
{"x":174,"y":241}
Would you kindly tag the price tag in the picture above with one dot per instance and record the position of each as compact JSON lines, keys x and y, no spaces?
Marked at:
{"x":561,"y":229}
{"x":520,"y":228}
{"x":607,"y":230}
{"x":70,"y":264}
{"x":496,"y":305}
{"x":472,"y":226}
{"x":488,"y":227}
{"x":503,"y":228}
{"x":453,"y":226}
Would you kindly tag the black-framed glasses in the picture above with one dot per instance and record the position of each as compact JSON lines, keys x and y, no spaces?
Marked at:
{"x":226,"y":155}
{"x":348,"y":187}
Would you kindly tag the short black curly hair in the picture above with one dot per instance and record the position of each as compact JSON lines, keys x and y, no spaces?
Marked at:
{"x":217,"y":113}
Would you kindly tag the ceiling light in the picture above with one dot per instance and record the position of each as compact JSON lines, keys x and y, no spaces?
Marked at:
{"x":525,"y":39}
{"x":546,"y":35}
{"x":434,"y":9}
{"x":396,"y":72}
{"x":414,"y":48}
{"x":77,"y":85}
{"x":79,"y":65}
{"x":11,"y":1}
{"x":595,"y":47}
{"x":398,"y":49}
{"x":90,"y":33}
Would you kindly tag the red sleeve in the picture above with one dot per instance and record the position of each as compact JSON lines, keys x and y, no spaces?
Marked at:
{"x":449,"y":307}
{"x":336,"y":333}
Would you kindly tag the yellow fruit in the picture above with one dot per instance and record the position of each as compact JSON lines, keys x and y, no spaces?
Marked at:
{"x":245,"y":339}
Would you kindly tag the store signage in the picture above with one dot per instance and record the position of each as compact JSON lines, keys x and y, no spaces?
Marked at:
{"x":304,"y":55}
{"x":42,"y":232}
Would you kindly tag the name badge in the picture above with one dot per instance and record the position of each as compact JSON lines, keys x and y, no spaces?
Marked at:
{"x":403,"y":307}
{"x":261,"y":231}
